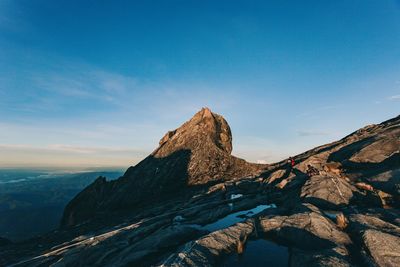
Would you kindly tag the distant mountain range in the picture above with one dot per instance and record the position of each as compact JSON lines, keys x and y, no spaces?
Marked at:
{"x":32,"y":201}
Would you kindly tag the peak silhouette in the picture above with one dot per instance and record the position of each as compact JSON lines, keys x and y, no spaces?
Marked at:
{"x":195,"y":154}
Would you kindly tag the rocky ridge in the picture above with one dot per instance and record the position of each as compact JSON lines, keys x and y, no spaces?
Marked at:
{"x":345,"y":212}
{"x":195,"y":154}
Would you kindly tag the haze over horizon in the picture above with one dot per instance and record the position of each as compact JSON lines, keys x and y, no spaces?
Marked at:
{"x":84,"y":83}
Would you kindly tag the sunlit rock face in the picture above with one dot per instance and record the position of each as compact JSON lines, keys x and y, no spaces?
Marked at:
{"x":338,"y":205}
{"x":196,"y":153}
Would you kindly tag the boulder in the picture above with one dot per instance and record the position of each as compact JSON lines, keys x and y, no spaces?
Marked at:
{"x":328,"y":192}
{"x":362,"y":222}
{"x":307,"y":230}
{"x":208,"y":250}
{"x":276,"y":175}
{"x":332,"y":257}
{"x":383,"y":247}
{"x":380,"y":238}
{"x":248,"y":185}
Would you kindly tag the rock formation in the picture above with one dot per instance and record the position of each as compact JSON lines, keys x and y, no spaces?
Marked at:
{"x":346,"y":212}
{"x":197,"y":153}
{"x":4,"y":241}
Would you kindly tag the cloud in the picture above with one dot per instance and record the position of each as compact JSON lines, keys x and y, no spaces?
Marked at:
{"x":317,"y":111}
{"x":71,"y":149}
{"x":85,"y":82}
{"x":68,"y":155}
{"x":311,"y":133}
{"x":394,"y":97}
{"x":66,"y":88}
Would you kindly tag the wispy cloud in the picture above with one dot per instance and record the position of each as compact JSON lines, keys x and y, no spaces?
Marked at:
{"x":71,"y":148}
{"x":311,"y":133}
{"x":68,"y":88}
{"x":68,"y":155}
{"x":133,"y":135}
{"x":394,"y":97}
{"x":85,"y":82}
{"x":316,"y":111}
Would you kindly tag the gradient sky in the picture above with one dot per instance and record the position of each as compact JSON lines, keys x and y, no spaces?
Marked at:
{"x":98,"y":83}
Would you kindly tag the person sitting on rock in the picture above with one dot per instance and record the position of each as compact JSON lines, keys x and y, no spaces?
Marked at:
{"x":311,"y":171}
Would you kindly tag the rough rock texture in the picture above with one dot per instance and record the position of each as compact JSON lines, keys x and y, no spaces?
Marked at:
{"x":307,"y":229}
{"x":328,"y":192}
{"x":171,"y":231}
{"x":196,"y":153}
{"x":333,"y":257}
{"x":124,"y":253}
{"x":373,"y":155}
{"x":382,"y":247}
{"x":207,"y":250}
{"x":380,"y":238}
{"x":4,"y":241}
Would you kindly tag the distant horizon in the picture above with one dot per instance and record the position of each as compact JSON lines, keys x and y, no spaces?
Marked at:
{"x":66,"y":168}
{"x":98,"y":84}
{"x":89,"y":168}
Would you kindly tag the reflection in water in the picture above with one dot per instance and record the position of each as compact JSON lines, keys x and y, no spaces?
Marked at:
{"x":236,"y":217}
{"x":235,"y":196}
{"x":259,"y":252}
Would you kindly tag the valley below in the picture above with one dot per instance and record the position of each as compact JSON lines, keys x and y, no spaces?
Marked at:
{"x":32,"y":200}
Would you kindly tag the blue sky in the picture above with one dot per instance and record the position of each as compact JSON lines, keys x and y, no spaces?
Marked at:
{"x":98,"y":83}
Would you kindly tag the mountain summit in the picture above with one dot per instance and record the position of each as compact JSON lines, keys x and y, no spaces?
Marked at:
{"x":196,"y":153}
{"x":190,"y":203}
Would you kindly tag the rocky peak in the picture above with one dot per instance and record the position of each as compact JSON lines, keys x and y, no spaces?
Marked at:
{"x":204,"y":126}
{"x":338,"y":206}
{"x":196,"y":153}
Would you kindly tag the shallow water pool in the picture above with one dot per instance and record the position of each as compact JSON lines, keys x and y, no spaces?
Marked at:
{"x":236,"y":217}
{"x":259,"y":252}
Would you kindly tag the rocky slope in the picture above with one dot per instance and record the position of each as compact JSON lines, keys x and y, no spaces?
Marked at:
{"x":197,"y":153}
{"x":4,"y":241}
{"x":338,"y":206}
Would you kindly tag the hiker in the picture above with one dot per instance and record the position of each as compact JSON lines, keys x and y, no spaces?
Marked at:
{"x":291,"y":162}
{"x":311,"y":171}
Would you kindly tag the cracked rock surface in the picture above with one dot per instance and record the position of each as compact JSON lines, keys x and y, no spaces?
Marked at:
{"x":159,"y":212}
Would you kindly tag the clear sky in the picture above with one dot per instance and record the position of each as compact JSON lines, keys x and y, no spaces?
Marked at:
{"x":98,"y":83}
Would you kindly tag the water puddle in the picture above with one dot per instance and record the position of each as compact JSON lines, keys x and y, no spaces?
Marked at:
{"x":235,"y":196}
{"x":331,"y":214}
{"x":259,"y":252}
{"x":228,"y":221}
{"x":234,"y":218}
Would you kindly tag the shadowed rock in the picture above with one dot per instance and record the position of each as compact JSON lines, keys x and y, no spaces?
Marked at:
{"x":195,"y":154}
{"x":4,"y":242}
{"x":195,"y":160}
{"x":333,"y":257}
{"x":307,"y":229}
